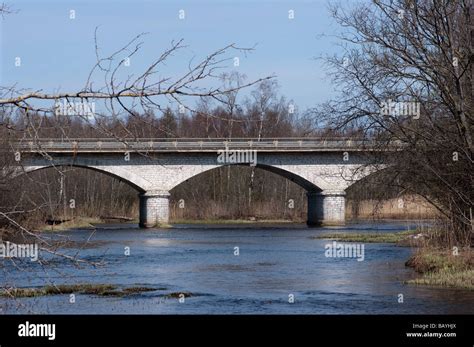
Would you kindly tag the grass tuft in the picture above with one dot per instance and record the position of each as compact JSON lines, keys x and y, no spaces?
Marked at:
{"x":90,"y":289}
{"x":368,"y":237}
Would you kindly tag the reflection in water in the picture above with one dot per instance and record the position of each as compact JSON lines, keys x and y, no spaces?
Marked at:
{"x":273,"y":263}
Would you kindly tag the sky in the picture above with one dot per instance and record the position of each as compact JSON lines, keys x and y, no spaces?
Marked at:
{"x":58,"y":52}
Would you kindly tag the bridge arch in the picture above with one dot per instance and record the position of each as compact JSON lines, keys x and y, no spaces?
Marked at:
{"x":325,"y":207}
{"x":137,"y":182}
{"x":148,"y":209}
{"x":292,"y":176}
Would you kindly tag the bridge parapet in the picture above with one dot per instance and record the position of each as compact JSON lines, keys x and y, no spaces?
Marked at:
{"x":196,"y":145}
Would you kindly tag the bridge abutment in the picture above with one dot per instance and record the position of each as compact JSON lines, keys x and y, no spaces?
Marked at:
{"x":326,"y":208}
{"x":154,"y":208}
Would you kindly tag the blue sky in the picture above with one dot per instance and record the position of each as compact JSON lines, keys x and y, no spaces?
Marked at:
{"x":57,"y":52}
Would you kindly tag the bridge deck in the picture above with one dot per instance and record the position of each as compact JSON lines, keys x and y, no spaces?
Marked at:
{"x":194,"y":145}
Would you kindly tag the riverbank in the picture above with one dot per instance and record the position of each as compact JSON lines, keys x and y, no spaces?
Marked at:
{"x":87,"y":289}
{"x":437,"y":267}
{"x":399,"y":237}
{"x":231,"y":221}
{"x":404,"y":207}
{"x":445,"y":268}
{"x":86,"y":222}
{"x":92,"y":222}
{"x":79,"y":222}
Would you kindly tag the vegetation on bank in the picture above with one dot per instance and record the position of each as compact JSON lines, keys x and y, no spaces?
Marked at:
{"x":93,"y":222}
{"x":446,"y":268}
{"x":230,"y":221}
{"x":369,"y":237}
{"x":91,"y":289}
{"x":87,"y":289}
{"x":78,"y":222}
{"x":89,"y":222}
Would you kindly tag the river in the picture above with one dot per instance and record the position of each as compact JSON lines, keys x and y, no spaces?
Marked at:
{"x":231,"y":269}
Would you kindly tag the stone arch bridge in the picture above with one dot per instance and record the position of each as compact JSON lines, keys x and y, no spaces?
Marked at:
{"x":325,"y":168}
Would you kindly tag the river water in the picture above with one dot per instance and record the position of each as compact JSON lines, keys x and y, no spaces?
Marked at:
{"x":244,"y":269}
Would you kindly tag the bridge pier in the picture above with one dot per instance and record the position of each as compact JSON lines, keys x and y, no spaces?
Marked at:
{"x":326,"y":208}
{"x":154,"y":208}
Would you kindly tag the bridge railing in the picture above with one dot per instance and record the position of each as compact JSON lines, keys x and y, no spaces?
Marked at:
{"x":192,"y":144}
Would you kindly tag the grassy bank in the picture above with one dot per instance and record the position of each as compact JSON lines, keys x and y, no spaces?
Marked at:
{"x":443,"y":268}
{"x":87,"y":289}
{"x":229,"y":221}
{"x":413,"y":207}
{"x":399,"y":237}
{"x":79,"y":222}
{"x":90,"y":222}
{"x":91,"y":289}
{"x":82,"y":222}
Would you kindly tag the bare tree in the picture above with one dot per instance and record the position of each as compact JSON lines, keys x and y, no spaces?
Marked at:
{"x":406,"y":76}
